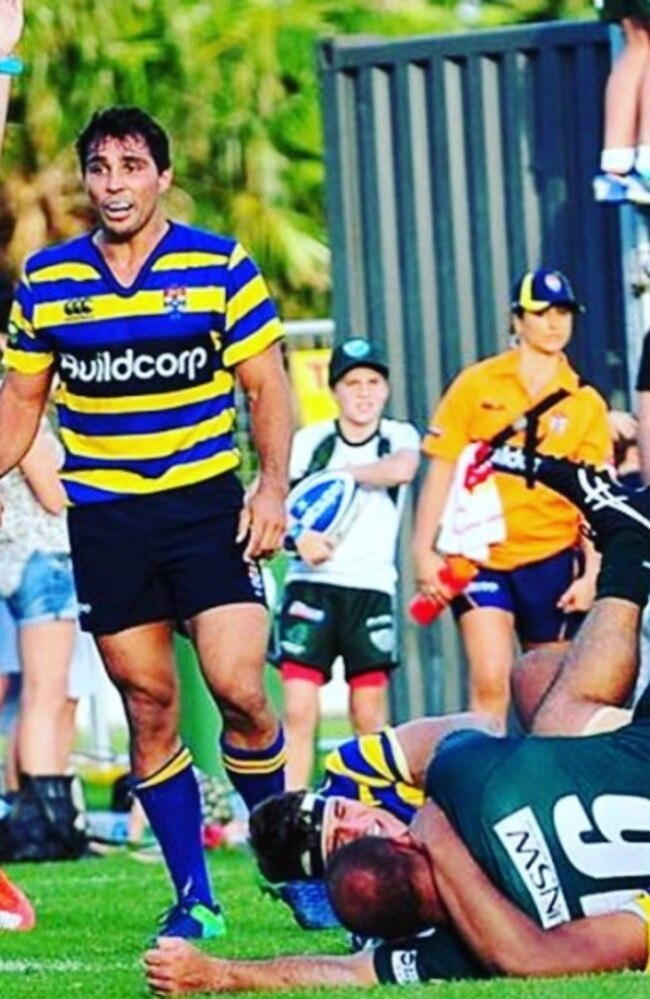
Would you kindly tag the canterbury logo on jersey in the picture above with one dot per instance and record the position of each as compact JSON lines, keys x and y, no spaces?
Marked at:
{"x":157,"y":366}
{"x":78,"y":308}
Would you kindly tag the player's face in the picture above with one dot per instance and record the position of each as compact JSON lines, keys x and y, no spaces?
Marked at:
{"x":362,"y":394}
{"x":345,"y":820}
{"x":546,"y":332}
{"x":124,"y":185}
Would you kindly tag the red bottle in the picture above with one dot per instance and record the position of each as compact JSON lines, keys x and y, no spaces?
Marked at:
{"x":455,"y":575}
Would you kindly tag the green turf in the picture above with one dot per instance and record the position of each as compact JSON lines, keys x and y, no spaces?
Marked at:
{"x":95,"y":916}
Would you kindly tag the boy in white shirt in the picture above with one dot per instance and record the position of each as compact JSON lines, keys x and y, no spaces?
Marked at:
{"x":340,"y":592}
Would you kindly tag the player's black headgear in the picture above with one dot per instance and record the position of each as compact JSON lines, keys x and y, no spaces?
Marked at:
{"x":286,"y":835}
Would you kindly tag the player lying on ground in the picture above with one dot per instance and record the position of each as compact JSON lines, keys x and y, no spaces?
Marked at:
{"x":574,"y":810}
{"x":292,"y":834}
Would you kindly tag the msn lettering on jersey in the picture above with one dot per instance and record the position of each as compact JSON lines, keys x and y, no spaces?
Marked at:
{"x":154,"y":367}
{"x":525,"y":844}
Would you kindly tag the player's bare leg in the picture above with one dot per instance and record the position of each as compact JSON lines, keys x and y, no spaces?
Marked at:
{"x":599,"y":670}
{"x":231,"y":642}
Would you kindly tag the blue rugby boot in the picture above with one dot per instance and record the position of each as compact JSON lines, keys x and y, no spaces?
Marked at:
{"x":192,"y":921}
{"x":308,"y":901}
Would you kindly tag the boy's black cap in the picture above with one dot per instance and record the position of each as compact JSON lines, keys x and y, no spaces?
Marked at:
{"x":355,"y":353}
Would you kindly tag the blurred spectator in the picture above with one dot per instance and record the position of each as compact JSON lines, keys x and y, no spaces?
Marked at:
{"x":535,"y":585}
{"x":37,"y":584}
{"x":625,"y":157}
{"x":340,"y":591}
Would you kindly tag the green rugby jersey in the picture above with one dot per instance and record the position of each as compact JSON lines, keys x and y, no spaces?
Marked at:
{"x":561,"y":825}
{"x":146,"y":373}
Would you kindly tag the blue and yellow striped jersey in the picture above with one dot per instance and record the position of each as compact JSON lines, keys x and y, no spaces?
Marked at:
{"x":372,"y":769}
{"x":146,"y":384}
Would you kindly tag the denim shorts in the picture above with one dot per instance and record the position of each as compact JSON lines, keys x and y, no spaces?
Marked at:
{"x":46,"y":591}
{"x":9,"y":660}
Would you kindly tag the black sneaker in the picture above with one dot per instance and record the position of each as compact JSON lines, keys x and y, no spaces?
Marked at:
{"x":607,"y":506}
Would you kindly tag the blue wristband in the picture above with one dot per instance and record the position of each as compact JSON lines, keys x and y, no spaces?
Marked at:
{"x":11,"y":65}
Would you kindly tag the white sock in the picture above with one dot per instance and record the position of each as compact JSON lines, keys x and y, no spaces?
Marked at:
{"x":618,"y":161}
{"x":642,"y":162}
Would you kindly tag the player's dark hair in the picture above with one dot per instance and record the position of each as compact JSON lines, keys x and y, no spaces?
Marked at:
{"x":120,"y":123}
{"x":285,"y":833}
{"x":372,"y":883}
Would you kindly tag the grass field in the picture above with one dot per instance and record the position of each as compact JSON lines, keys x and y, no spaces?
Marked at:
{"x":95,"y":917}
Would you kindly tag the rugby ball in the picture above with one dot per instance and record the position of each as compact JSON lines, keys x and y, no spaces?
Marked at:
{"x":323,"y":502}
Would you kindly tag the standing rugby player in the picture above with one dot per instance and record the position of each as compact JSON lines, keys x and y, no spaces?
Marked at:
{"x":148,"y":323}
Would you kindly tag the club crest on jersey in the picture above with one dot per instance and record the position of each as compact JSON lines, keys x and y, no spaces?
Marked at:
{"x":558,"y":423}
{"x":175,"y":300}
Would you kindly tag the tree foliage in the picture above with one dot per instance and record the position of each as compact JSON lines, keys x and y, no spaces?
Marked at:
{"x":235,"y":83}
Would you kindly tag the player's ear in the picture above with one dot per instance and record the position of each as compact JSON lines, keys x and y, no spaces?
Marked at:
{"x":165,"y":179}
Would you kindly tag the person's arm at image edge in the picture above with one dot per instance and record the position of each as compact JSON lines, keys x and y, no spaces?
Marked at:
{"x":40,"y":468}
{"x":22,"y":401}
{"x":643,"y":415}
{"x":11,"y":28}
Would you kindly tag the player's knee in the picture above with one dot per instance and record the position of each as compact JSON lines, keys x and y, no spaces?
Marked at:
{"x":245,"y":710}
{"x":531,"y":678}
{"x":367,"y":717}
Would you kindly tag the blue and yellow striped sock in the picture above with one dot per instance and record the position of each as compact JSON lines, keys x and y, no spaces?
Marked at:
{"x":172,"y":803}
{"x":256,"y":773}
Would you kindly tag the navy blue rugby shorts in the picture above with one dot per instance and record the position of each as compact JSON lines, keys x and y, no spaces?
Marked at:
{"x":530,"y":593}
{"x":163,"y":557}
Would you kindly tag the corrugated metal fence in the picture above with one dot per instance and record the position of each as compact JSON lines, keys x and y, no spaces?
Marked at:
{"x":454,"y":162}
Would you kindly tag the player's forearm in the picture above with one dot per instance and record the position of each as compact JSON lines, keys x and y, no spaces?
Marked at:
{"x":294,"y":972}
{"x":431,"y":503}
{"x":510,"y":943}
{"x":501,"y":937}
{"x":20,"y":416}
{"x":271,"y":428}
{"x":394,"y":470}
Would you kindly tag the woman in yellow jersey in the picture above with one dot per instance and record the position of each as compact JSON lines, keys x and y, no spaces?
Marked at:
{"x":535,"y":585}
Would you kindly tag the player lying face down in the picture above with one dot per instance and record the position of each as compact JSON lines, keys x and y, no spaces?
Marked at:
{"x":294,"y":833}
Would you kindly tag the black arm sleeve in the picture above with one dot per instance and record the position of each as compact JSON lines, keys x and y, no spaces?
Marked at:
{"x":437,"y":954}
